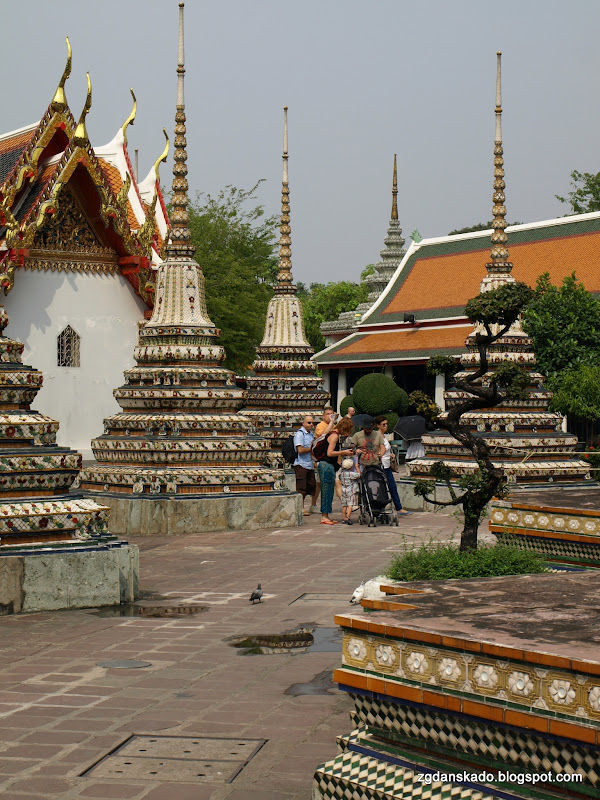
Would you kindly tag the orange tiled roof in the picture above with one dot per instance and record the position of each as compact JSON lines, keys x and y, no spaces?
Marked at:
{"x":410,"y":343}
{"x":11,"y":148}
{"x":440,"y":277}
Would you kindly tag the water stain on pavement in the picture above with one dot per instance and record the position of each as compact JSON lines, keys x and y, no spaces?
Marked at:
{"x":320,"y":684}
{"x":301,"y":640}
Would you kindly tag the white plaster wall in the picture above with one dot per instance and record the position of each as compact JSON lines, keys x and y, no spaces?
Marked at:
{"x":104,"y":310}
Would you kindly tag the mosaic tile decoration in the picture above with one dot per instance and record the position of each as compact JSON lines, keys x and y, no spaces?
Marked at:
{"x":480,"y":743}
{"x":179,"y":432}
{"x":353,"y":776}
{"x":35,"y":474}
{"x":570,"y":536}
{"x":470,"y":675}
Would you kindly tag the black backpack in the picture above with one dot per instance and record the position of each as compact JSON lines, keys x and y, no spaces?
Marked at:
{"x":288,"y":450}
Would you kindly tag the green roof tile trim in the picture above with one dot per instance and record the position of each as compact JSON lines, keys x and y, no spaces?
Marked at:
{"x":333,"y":356}
{"x":480,"y":241}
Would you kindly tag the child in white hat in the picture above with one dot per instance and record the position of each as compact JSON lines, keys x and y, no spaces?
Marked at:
{"x":348,"y":477}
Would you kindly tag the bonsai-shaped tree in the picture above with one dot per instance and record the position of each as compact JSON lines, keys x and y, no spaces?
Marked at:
{"x":494,"y":312}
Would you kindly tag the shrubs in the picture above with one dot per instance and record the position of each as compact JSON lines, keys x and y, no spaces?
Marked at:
{"x":345,"y":404}
{"x":377,"y":394}
{"x":445,"y":561}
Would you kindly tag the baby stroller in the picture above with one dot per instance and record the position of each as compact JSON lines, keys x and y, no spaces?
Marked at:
{"x":374,"y":498}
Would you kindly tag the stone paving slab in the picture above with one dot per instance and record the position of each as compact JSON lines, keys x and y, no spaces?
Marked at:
{"x":60,"y":713}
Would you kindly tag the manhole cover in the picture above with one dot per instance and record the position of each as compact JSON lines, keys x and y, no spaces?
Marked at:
{"x":184,"y":759}
{"x":125,"y":663}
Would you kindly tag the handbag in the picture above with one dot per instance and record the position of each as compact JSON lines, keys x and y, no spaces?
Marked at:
{"x":394,"y":462}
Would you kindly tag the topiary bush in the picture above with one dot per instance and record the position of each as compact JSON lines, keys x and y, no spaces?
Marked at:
{"x":377,"y":394}
{"x":346,"y":403}
{"x":446,"y":561}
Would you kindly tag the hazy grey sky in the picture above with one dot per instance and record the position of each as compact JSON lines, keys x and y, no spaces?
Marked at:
{"x":363,"y":79}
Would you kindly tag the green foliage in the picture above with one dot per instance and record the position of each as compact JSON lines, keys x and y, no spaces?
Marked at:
{"x":368,"y":270}
{"x":513,"y":379}
{"x":500,"y":306}
{"x":377,"y":394}
{"x":577,"y":392}
{"x":443,"y":365}
{"x":564,"y":324}
{"x":325,"y":302}
{"x":424,"y":405}
{"x":345,"y":404}
{"x":236,"y":248}
{"x":586,"y":192}
{"x":444,"y":561}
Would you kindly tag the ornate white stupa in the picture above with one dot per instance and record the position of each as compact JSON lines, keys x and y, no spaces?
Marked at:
{"x":284,"y":386}
{"x":179,"y":435}
{"x":527,"y":439}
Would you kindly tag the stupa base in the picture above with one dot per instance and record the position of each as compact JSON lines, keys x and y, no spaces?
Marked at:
{"x":136,"y":515}
{"x":58,"y":577}
{"x":413,"y":503}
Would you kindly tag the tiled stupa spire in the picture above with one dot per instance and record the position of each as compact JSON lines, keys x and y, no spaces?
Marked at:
{"x":284,"y":386}
{"x":179,"y":432}
{"x":528,"y":439}
{"x":391,"y":256}
{"x":37,"y":513}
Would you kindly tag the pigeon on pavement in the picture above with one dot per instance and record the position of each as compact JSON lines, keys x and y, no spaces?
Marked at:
{"x":359,"y":593}
{"x":256,"y":594}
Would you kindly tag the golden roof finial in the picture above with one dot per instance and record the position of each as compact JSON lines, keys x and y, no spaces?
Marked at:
{"x":395,"y":192}
{"x":180,"y":243}
{"x":130,"y":118}
{"x":162,"y":156}
{"x":81,"y":135}
{"x":59,"y":101}
{"x":284,"y":274}
{"x":499,"y":252}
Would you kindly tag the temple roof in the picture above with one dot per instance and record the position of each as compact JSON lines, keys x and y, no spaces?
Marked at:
{"x":438,"y":276}
{"x":37,"y":163}
{"x":12,"y":145}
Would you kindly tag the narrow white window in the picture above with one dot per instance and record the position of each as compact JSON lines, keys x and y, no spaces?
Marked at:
{"x":68,"y":348}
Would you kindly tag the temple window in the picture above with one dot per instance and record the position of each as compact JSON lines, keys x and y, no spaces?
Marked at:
{"x":68,"y":348}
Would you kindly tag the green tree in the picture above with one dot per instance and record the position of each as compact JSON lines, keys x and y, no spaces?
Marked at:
{"x":586,"y":192}
{"x":564,"y":325}
{"x":236,"y":248}
{"x":495,"y":311}
{"x":577,"y":392}
{"x":324,"y":302}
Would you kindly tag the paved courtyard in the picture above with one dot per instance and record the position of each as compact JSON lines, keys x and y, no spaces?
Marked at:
{"x":201,"y":707}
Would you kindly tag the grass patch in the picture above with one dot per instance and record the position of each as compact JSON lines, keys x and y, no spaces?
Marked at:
{"x":443,"y":561}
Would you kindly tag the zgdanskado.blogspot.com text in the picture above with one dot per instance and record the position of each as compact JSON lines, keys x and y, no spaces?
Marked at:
{"x":520,"y":778}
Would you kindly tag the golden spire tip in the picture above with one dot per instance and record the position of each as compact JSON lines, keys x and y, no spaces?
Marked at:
{"x":130,"y":118}
{"x":59,"y":101}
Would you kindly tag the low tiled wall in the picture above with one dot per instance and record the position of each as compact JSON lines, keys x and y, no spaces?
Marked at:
{"x":569,"y":537}
{"x":442,"y":715}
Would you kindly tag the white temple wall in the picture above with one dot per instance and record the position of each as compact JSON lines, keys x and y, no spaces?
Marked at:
{"x":104,"y":310}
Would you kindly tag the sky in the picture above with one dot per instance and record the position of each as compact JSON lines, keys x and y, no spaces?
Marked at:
{"x":363,"y":79}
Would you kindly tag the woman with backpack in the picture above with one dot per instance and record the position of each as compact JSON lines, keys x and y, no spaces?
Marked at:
{"x":326,"y":454}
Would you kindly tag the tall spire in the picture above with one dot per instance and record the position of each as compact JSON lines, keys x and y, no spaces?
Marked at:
{"x":395,"y":192}
{"x":284,"y":274}
{"x":59,"y":101}
{"x":180,"y":237}
{"x":499,"y":252}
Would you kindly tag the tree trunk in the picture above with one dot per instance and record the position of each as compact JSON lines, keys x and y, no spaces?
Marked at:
{"x":468,"y":537}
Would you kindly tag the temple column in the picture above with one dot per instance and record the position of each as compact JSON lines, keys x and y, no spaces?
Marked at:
{"x":342,"y":389}
{"x":389,"y":372}
{"x":440,"y":387}
{"x":326,"y":380}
